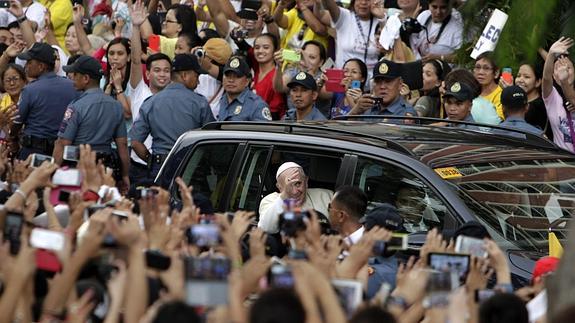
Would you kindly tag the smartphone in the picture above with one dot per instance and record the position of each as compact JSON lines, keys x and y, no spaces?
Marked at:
{"x":448,"y":262}
{"x":280,"y":275}
{"x":355,"y":84}
{"x":349,"y":293}
{"x":157,"y":260}
{"x":67,"y":177}
{"x":398,"y":241}
{"x":470,"y":246}
{"x":289,"y":55}
{"x":38,"y":159}
{"x":47,"y":261}
{"x":71,"y":153}
{"x":329,"y":63}
{"x":95,"y":208}
{"x":64,"y":196}
{"x":482,"y":295}
{"x":154,"y":43}
{"x":204,"y":235}
{"x":47,"y":239}
{"x":146,"y":192}
{"x":4,"y":4}
{"x":507,"y":75}
{"x":12,"y":230}
{"x":439,"y":285}
{"x":206,"y":280}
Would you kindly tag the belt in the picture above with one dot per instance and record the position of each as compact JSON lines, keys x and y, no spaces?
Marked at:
{"x":44,"y":144}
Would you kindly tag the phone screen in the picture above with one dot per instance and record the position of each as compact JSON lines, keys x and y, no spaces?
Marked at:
{"x":38,"y":159}
{"x":12,"y":231}
{"x":71,"y":153}
{"x":445,"y":262}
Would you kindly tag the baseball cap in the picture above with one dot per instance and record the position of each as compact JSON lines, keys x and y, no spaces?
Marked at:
{"x":472,"y":229}
{"x":249,"y":9}
{"x":87,"y":65}
{"x":385,"y":69}
{"x":544,"y":266}
{"x":385,"y":216}
{"x":304,"y":79}
{"x":218,"y":50}
{"x":239,"y":66}
{"x":41,"y":52}
{"x":285,"y":166}
{"x":460,"y":91}
{"x":513,"y":97}
{"x":187,"y":62}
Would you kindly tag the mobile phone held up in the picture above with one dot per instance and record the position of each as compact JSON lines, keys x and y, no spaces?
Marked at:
{"x":38,"y":159}
{"x":447,"y":262}
{"x":289,"y":55}
{"x":470,"y":246}
{"x":71,"y":153}
{"x":12,"y":231}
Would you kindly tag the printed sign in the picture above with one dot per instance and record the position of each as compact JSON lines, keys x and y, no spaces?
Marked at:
{"x":491,"y":33}
{"x":448,"y":172}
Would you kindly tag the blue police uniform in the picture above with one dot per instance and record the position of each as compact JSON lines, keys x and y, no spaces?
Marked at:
{"x":314,"y":114}
{"x":248,"y":106}
{"x":399,"y":107}
{"x":94,"y":118}
{"x":520,"y":124}
{"x":469,"y":118}
{"x":41,"y":110}
{"x":166,"y":116}
{"x":383,"y":270}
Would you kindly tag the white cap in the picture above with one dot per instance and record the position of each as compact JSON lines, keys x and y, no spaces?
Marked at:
{"x":286,"y":166}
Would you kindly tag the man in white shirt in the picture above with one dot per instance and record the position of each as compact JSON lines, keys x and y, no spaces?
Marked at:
{"x":292,"y":184}
{"x":33,"y":10}
{"x":347,"y":207}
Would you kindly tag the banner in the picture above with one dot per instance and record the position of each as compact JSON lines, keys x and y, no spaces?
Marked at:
{"x":491,"y":33}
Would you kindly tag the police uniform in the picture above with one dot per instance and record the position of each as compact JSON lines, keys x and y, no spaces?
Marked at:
{"x":515,"y":103}
{"x":248,"y":106}
{"x":42,"y":104}
{"x":307,"y":81}
{"x":94,"y":118}
{"x":399,"y":107}
{"x":170,"y":113}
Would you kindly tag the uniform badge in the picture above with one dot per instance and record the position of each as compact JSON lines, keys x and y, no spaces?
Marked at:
{"x":235,"y":63}
{"x":238,"y":109}
{"x":300,"y":76}
{"x":383,"y":68}
{"x":456,"y":87}
{"x":68,"y":114}
{"x":266,"y":113}
{"x":370,"y":270}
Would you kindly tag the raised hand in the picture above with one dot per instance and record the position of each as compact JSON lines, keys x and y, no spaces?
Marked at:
{"x":561,"y":46}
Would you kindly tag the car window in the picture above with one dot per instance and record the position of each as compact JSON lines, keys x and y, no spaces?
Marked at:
{"x":251,"y":180}
{"x":416,"y":203}
{"x":207,"y":170}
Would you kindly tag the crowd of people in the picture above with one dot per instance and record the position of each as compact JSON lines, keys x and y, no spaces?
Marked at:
{"x":107,"y":87}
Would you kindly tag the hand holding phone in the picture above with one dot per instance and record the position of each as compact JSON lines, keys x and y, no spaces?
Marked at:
{"x":38,"y":159}
{"x":13,"y":225}
{"x":289,"y":55}
{"x":470,"y":246}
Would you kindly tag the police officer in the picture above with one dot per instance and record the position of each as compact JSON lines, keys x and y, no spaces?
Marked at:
{"x":303,"y":93}
{"x":458,"y":100}
{"x":168,"y":114}
{"x":42,"y":103}
{"x":515,"y":106}
{"x":239,"y":103}
{"x":94,"y":118}
{"x":385,"y":98}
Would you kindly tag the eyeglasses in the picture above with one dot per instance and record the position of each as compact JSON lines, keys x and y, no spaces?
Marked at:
{"x":13,"y":79}
{"x":482,"y":67}
{"x":171,"y":21}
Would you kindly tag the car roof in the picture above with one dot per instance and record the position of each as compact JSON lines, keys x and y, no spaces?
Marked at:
{"x":432,"y":145}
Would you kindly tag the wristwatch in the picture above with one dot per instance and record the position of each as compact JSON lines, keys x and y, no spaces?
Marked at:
{"x":21,"y":19}
{"x":269,"y":20}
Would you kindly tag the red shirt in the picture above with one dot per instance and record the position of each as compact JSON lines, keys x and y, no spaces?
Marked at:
{"x":265,"y":89}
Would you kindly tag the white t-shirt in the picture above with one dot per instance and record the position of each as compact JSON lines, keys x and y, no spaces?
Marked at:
{"x":137,"y":97}
{"x":450,"y":40}
{"x":34,"y":12}
{"x":209,"y":87}
{"x":351,"y":40}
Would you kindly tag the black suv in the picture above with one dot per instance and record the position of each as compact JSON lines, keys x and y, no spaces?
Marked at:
{"x":519,"y":188}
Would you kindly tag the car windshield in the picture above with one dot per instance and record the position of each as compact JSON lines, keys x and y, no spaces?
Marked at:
{"x":520,"y":201}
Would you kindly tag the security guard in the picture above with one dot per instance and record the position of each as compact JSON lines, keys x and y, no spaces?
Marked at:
{"x":458,"y":100}
{"x":385,"y":98}
{"x":515,"y":106}
{"x":94,"y":118}
{"x":303,"y":93}
{"x":171,"y":112}
{"x":239,"y":103}
{"x":42,"y":103}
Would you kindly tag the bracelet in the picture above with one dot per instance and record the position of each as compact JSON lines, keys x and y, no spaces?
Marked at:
{"x":21,"y":193}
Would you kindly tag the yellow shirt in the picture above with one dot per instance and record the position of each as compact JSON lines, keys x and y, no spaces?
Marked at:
{"x":295,"y":25}
{"x":495,"y":98}
{"x":5,"y":101}
{"x":61,"y":16}
{"x":168,"y":46}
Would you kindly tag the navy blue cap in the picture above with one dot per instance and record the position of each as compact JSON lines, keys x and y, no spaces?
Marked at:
{"x":41,"y":52}
{"x":385,"y":69}
{"x":304,"y":79}
{"x":187,"y":62}
{"x":87,"y":65}
{"x":385,"y":216}
{"x":239,"y":66}
{"x":514,"y":97}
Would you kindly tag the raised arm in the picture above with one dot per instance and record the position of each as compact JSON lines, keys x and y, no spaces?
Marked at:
{"x":332,"y":8}
{"x":139,"y":16}
{"x":219,"y":17}
{"x":80,"y":32}
{"x":279,"y":83}
{"x":559,"y":47}
{"x":279,"y":17}
{"x":25,"y":25}
{"x":312,"y":20}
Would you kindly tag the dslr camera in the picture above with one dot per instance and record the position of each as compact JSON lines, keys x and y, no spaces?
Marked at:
{"x":411,"y":26}
{"x":293,"y":221}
